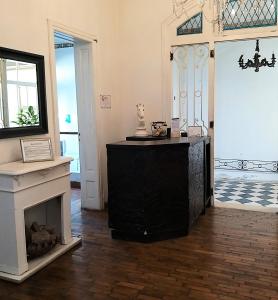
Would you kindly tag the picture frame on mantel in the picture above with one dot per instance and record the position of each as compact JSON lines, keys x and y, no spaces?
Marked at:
{"x":37,"y":149}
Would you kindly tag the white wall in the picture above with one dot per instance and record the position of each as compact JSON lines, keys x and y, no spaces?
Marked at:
{"x":141,"y":59}
{"x":246,"y":111}
{"x":23,"y":26}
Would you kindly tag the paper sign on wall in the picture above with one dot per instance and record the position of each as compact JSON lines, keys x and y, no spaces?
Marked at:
{"x":105,"y":101}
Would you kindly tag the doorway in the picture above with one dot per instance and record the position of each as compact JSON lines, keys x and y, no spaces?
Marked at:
{"x":75,"y":115}
{"x":246,"y":114}
{"x":67,"y":105}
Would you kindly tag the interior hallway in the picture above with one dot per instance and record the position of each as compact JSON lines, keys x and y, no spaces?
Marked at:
{"x":229,"y":255}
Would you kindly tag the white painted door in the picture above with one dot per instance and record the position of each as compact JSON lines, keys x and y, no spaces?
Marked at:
{"x":193,"y":90}
{"x":89,"y":162}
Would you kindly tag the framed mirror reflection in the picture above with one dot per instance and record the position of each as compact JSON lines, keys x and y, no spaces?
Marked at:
{"x":22,"y":94}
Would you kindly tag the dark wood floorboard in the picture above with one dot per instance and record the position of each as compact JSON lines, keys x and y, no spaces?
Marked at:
{"x":229,"y":255}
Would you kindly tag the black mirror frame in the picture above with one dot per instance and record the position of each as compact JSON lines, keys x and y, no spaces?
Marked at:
{"x":38,"y":60}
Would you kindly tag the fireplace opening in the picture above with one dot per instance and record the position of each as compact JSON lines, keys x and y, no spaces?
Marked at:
{"x":42,"y":227}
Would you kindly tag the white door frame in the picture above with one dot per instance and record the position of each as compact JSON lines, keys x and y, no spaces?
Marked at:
{"x":169,"y":39}
{"x":54,"y":26}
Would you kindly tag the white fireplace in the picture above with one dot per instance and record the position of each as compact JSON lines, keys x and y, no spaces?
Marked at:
{"x":33,"y":192}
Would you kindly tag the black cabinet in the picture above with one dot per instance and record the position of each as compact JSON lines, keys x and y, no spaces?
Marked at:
{"x":156,"y":189}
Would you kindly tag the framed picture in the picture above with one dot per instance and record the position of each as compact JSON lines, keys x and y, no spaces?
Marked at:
{"x":194,"y":131}
{"x":39,"y":149}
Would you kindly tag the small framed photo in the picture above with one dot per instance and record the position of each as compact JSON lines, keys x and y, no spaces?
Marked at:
{"x":194,"y":131}
{"x":39,"y":149}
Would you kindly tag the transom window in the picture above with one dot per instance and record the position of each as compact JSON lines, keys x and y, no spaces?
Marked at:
{"x":249,"y":13}
{"x":237,"y":14}
{"x":191,"y":26}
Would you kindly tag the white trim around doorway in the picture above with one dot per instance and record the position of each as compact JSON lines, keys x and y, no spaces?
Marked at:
{"x":54,"y":26}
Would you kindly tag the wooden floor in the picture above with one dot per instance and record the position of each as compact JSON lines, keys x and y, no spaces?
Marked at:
{"x":229,"y":255}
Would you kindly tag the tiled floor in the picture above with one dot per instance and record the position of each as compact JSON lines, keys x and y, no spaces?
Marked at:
{"x":246,"y":194}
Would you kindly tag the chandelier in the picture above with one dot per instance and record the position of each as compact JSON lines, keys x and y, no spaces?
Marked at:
{"x":256,"y":62}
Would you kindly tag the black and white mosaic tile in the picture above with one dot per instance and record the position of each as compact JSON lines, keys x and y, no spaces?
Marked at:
{"x":260,"y":194}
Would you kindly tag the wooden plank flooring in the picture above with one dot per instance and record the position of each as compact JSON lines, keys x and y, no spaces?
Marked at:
{"x":229,"y":255}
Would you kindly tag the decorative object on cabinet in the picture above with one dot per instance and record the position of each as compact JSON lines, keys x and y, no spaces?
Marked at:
{"x":22,"y":96}
{"x":159,"y":128}
{"x":141,"y":128}
{"x":36,"y":149}
{"x":183,"y":134}
{"x":169,"y":132}
{"x":175,"y":128}
{"x":194,"y":131}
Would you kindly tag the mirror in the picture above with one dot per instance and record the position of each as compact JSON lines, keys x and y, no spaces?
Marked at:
{"x":22,"y":94}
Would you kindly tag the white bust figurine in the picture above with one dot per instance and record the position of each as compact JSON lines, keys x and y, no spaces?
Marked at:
{"x":141,"y":128}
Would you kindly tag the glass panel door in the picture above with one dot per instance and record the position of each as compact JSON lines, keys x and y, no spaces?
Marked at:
{"x":190,"y":85}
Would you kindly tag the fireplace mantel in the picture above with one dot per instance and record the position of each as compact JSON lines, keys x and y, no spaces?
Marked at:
{"x":26,"y":185}
{"x":17,"y":175}
{"x":21,"y":168}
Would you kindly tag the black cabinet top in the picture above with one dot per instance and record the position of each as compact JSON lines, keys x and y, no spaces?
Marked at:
{"x":182,"y":141}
